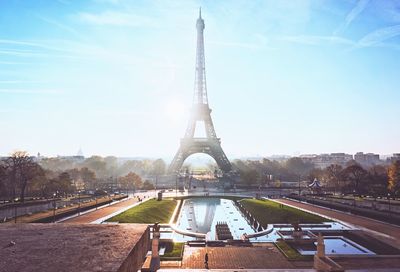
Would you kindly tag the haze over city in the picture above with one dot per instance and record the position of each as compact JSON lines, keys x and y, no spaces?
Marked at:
{"x":116,"y":77}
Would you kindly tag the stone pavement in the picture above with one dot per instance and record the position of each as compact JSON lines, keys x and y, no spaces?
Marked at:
{"x":388,"y":232}
{"x":102,"y":212}
{"x":72,"y":247}
{"x":229,"y":257}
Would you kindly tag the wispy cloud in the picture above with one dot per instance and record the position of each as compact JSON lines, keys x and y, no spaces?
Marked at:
{"x":62,"y":26}
{"x":316,"y":40}
{"x":351,"y":16}
{"x":113,"y":18}
{"x":64,"y":2}
{"x":378,"y":36}
{"x":13,"y":63}
{"x":21,"y":81}
{"x":236,"y":44}
{"x":30,"y":91}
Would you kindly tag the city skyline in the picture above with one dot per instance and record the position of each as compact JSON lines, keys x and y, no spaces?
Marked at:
{"x":116,"y":77}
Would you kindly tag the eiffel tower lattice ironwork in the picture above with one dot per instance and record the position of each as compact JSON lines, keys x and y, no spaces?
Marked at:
{"x":210,"y":144}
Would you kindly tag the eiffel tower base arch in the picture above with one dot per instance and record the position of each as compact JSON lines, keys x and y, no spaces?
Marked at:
{"x":191,"y":146}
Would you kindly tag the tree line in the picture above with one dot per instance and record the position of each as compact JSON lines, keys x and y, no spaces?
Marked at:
{"x":22,"y":175}
{"x":378,"y":180}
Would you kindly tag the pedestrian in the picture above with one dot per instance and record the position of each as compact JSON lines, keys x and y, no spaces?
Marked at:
{"x":206,"y":260}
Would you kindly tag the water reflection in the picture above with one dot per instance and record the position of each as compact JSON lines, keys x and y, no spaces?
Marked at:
{"x":202,"y":214}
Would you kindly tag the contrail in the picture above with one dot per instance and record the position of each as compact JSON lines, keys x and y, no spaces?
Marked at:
{"x":352,"y":15}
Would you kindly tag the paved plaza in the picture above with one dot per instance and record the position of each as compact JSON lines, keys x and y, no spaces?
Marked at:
{"x":100,"y":213}
{"x":265,"y":257}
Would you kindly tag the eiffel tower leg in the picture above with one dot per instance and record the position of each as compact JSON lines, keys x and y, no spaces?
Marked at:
{"x":177,"y":162}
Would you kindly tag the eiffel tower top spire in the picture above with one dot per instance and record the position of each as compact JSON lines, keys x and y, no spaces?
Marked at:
{"x":200,"y":87}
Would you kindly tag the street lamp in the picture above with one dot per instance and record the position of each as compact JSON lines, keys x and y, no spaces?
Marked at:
{"x":95,"y":198}
{"x":15,"y":210}
{"x":54,"y":207}
{"x":389,"y":203}
{"x":354,"y":198}
{"x":156,"y":182}
{"x":176,"y":184}
{"x":299,"y":185}
{"x":79,"y":202}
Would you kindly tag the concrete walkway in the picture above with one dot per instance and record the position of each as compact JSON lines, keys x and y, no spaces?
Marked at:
{"x":103,"y":212}
{"x":381,"y":230}
{"x":236,"y":258}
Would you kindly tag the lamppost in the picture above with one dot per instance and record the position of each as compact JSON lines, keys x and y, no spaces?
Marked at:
{"x":15,"y":210}
{"x":299,"y":185}
{"x":155,"y":187}
{"x":95,"y":198}
{"x":79,"y":202}
{"x":354,"y":198}
{"x":176,"y":184}
{"x":389,"y":203}
{"x":54,"y":207}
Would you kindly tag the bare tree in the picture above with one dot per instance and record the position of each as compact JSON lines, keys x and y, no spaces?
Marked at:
{"x":356,"y":174}
{"x":334,"y":173}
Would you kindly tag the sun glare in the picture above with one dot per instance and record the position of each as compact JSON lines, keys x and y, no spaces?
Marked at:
{"x":175,"y":110}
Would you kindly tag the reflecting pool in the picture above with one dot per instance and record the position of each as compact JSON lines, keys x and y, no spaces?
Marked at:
{"x":202,"y":214}
{"x":336,"y":245}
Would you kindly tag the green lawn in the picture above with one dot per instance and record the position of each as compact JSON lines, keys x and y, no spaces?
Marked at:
{"x":290,"y":252}
{"x":174,"y":250}
{"x":148,"y":212}
{"x":269,"y":212}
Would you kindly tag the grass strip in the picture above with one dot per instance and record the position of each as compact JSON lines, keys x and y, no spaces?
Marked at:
{"x":289,"y":252}
{"x":175,"y":252}
{"x":270,"y":212}
{"x":148,"y":212}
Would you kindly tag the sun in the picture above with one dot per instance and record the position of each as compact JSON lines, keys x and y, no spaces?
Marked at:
{"x":175,"y":110}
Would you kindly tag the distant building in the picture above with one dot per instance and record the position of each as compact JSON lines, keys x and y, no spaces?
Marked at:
{"x":395,"y":157}
{"x":367,"y":159}
{"x":324,"y":160}
{"x":72,"y":158}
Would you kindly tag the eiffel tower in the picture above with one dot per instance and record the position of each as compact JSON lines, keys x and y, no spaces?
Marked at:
{"x":200,"y":112}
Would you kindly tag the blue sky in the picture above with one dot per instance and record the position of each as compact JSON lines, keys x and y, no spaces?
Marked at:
{"x":115,"y":77}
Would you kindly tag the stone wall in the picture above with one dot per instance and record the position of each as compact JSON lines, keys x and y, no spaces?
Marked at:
{"x":137,"y":255}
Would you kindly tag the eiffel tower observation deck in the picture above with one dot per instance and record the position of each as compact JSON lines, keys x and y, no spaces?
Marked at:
{"x":200,"y":113}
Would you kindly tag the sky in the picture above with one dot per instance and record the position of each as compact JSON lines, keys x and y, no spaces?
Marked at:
{"x":116,"y":77}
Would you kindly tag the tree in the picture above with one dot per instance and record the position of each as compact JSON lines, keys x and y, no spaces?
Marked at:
{"x":64,"y":183}
{"x":394,"y":177}
{"x":147,"y":185}
{"x":111,"y":165}
{"x":131,"y":180}
{"x":334,"y":174}
{"x":298,"y":167}
{"x":22,"y":170}
{"x":316,"y":173}
{"x":377,"y":180}
{"x":29,"y":172}
{"x":158,"y":167}
{"x":3,"y":180}
{"x":88,"y":177}
{"x":130,"y":166}
{"x":355,"y":174}
{"x":41,"y":186}
{"x":97,"y":165}
{"x":249,"y":177}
